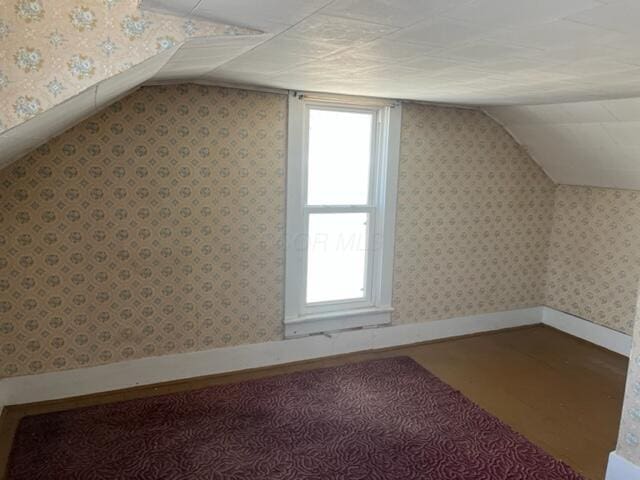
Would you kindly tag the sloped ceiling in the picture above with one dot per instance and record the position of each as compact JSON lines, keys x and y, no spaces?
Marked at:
{"x":584,"y":143}
{"x":575,"y":57}
{"x":473,"y":52}
{"x":578,"y":55}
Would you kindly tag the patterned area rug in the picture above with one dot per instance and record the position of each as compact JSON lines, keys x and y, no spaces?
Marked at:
{"x":380,"y":420}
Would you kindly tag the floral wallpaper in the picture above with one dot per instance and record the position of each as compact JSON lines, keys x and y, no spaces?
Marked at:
{"x":154,"y":227}
{"x":157,"y":226}
{"x":53,"y":50}
{"x":594,"y":259}
{"x":473,"y":220}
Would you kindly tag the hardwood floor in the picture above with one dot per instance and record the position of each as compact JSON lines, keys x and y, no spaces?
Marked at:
{"x":563,"y":394}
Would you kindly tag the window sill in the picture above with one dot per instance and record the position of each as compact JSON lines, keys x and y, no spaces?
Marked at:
{"x":336,"y":321}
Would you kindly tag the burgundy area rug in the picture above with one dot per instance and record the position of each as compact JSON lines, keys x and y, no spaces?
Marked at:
{"x":380,"y":420}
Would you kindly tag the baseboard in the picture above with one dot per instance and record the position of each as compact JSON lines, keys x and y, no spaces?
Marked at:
{"x":620,"y":468}
{"x":145,"y":371}
{"x":592,"y":332}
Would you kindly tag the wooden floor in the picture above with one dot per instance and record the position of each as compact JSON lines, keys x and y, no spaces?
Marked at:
{"x":563,"y":394}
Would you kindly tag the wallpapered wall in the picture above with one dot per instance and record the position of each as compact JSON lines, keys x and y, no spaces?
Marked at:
{"x":473,"y":221}
{"x":154,"y":227}
{"x":594,"y":259}
{"x":52,"y":50}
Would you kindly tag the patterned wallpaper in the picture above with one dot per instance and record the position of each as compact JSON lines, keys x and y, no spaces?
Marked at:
{"x":154,"y":227}
{"x":53,"y":50}
{"x":473,"y":222}
{"x":594,"y":259}
{"x":157,"y":227}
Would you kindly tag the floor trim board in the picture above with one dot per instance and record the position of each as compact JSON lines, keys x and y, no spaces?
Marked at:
{"x":152,"y":370}
{"x":169,"y":368}
{"x":249,"y":371}
{"x":592,"y":332}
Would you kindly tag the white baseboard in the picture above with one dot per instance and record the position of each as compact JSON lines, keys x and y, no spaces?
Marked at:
{"x":145,"y":371}
{"x":592,"y":332}
{"x":620,"y":468}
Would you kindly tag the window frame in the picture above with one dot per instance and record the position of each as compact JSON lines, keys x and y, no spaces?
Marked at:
{"x":374,"y":308}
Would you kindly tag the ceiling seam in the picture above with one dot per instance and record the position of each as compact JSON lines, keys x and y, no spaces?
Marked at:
{"x":266,"y":40}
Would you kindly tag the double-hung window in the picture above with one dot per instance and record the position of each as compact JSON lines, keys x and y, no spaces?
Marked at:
{"x":341,"y":194}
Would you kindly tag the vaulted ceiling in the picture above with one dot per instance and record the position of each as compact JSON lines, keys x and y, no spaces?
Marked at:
{"x":585,"y":143}
{"x":507,"y":56}
{"x":474,"y":52}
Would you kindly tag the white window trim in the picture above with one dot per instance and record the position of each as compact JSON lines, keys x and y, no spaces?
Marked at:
{"x":375,"y":308}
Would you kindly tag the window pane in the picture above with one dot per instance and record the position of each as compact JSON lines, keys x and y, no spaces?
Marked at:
{"x":337,"y":256}
{"x":339,"y":157}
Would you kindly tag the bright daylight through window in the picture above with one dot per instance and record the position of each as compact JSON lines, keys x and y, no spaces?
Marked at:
{"x":342,"y":174}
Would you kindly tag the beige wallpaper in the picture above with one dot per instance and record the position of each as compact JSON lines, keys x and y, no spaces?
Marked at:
{"x":154,"y":227}
{"x":474,"y":215}
{"x":594,"y":259}
{"x":157,"y":227}
{"x":51,"y":50}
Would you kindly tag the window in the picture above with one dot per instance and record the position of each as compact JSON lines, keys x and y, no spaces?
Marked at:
{"x":341,"y":189}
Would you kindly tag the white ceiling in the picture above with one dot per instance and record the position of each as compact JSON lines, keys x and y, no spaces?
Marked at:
{"x":199,"y":56}
{"x":575,"y":56}
{"x":474,"y":52}
{"x":505,"y":55}
{"x":586,"y":143}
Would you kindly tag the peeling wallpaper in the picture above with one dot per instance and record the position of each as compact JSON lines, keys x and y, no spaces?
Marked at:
{"x":157,"y":226}
{"x":594,"y":259}
{"x":53,"y":50}
{"x":473,"y":220}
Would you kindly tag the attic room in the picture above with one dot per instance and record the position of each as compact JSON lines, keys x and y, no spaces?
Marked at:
{"x":319,"y":239}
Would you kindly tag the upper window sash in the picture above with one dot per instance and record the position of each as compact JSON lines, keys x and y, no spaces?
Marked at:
{"x":373,"y":148}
